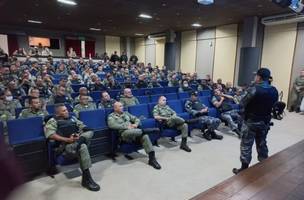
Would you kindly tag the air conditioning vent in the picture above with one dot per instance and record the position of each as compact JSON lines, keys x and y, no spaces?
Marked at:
{"x":282,"y":19}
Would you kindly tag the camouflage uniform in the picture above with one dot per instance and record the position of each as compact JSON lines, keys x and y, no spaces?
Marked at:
{"x":193,"y":108}
{"x":79,"y":107}
{"x":10,"y":106}
{"x":28,"y":112}
{"x":69,"y":90}
{"x":120,"y":122}
{"x":106,"y":104}
{"x":76,"y":100}
{"x":174,"y":120}
{"x":70,"y":150}
{"x":232,"y":117}
{"x":129,"y":101}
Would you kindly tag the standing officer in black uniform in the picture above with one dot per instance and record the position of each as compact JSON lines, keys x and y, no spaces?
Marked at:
{"x":257,"y":105}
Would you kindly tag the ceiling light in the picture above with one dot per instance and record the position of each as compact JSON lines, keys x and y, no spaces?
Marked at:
{"x":196,"y":25}
{"x":69,"y":2}
{"x":139,"y":34}
{"x":205,"y":2}
{"x":95,"y":29}
{"x":145,"y":16}
{"x":34,"y":21}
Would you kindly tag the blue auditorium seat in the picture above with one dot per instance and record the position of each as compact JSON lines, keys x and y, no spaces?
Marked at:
{"x":25,"y":130}
{"x":206,"y":93}
{"x":95,"y":95}
{"x":113,"y":94}
{"x":151,"y":106}
{"x":76,"y":87}
{"x":74,"y":94}
{"x":206,"y":101}
{"x":18,"y":111}
{"x":171,"y":96}
{"x":154,"y":98}
{"x":178,"y":107}
{"x":143,"y":99}
{"x":184,"y":95}
{"x":140,"y":111}
{"x":164,"y":83}
{"x":171,"y":89}
{"x":95,"y":119}
{"x":158,"y":90}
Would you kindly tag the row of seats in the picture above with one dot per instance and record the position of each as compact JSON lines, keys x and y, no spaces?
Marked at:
{"x":95,"y":119}
{"x":142,"y":99}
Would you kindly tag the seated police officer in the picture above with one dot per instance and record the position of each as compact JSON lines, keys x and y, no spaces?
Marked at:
{"x":35,"y":109}
{"x":199,"y":111}
{"x":127,"y":128}
{"x":127,"y":99}
{"x":74,"y":141}
{"x":228,"y":114}
{"x":257,"y":105}
{"x":106,"y":100}
{"x":165,"y":115}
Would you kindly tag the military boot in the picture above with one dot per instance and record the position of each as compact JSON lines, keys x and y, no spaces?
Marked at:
{"x":184,"y":145}
{"x":88,"y":182}
{"x":243,"y":167}
{"x":216,"y":136}
{"x":207,"y":135}
{"x":152,"y":161}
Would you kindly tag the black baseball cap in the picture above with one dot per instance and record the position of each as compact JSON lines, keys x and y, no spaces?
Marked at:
{"x":264,"y":73}
{"x":194,"y":93}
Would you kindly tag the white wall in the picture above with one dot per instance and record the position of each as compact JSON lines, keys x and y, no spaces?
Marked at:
{"x":188,"y":51}
{"x":4,"y":43}
{"x":112,"y":44}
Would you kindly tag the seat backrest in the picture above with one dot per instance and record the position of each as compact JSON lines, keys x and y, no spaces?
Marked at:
{"x":183,"y":95}
{"x":95,"y":119}
{"x":139,"y":110}
{"x":164,"y":83}
{"x":206,"y":100}
{"x":114,"y":93}
{"x":74,"y":94}
{"x":158,"y":90}
{"x":95,"y":95}
{"x":171,"y":89}
{"x":25,"y":130}
{"x":154,"y":98}
{"x":76,"y":87}
{"x":18,"y":111}
{"x":151,"y":106}
{"x":143,"y":99}
{"x":205,"y":93}
{"x":171,"y":96}
{"x":176,"y":105}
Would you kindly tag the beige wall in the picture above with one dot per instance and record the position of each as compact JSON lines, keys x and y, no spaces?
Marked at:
{"x":160,"y":52}
{"x":278,"y":51}
{"x":225,"y":53}
{"x":3,"y":43}
{"x":188,"y":51}
{"x":140,"y":50}
{"x":112,"y":44}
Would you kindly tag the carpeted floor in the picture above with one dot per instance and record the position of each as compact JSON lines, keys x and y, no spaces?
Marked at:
{"x":183,"y":175}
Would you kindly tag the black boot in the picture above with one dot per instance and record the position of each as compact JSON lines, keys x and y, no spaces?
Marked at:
{"x":244,"y":166}
{"x":216,"y":136}
{"x":88,"y":182}
{"x":207,"y":135}
{"x":184,"y":145}
{"x":238,"y":132}
{"x":152,"y":161}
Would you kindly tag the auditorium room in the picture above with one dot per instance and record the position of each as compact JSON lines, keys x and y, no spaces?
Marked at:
{"x":152,"y":100}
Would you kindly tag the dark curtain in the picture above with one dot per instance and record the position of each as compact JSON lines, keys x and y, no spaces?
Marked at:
{"x":89,"y":48}
{"x":12,"y":44}
{"x":75,"y":44}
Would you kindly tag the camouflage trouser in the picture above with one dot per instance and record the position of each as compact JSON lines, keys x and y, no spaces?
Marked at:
{"x":83,"y":154}
{"x":254,"y":131}
{"x":131,"y":135}
{"x":233,"y":119}
{"x":179,"y":124}
{"x":211,"y":122}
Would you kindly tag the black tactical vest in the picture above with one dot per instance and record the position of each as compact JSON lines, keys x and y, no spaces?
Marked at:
{"x":66,"y":127}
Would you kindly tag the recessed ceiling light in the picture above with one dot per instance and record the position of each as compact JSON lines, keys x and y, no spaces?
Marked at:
{"x":139,"y":34}
{"x":34,"y":21}
{"x":145,"y":16}
{"x":69,"y":2}
{"x":95,"y":29}
{"x":196,"y":25}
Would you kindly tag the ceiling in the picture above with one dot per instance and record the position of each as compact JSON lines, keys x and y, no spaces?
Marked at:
{"x":120,"y":17}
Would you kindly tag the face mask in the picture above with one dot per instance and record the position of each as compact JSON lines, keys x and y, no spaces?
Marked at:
{"x":186,"y":85}
{"x":9,"y":98}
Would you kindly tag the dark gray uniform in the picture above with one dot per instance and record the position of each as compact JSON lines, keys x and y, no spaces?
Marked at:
{"x":257,"y":105}
{"x":193,"y":108}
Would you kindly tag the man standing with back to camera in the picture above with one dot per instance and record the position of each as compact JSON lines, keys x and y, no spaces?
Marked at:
{"x":257,"y":105}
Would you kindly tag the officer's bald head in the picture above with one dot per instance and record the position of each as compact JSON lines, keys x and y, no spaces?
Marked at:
{"x":162,"y":100}
{"x":118,"y":107}
{"x":128,"y":92}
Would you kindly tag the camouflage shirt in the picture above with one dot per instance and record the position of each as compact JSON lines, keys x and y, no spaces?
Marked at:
{"x":26,"y":113}
{"x":79,"y":107}
{"x":106,"y":104}
{"x":163,"y":111}
{"x":121,"y":122}
{"x":129,"y":101}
